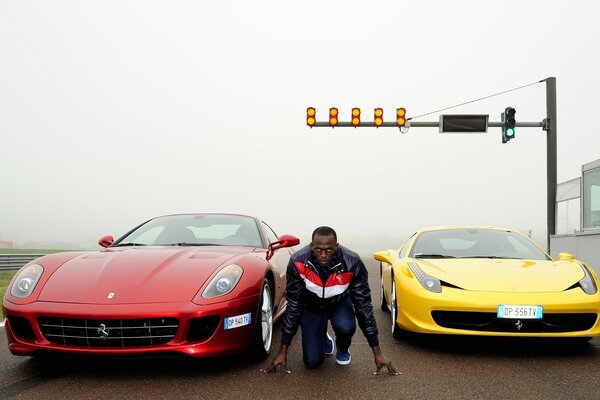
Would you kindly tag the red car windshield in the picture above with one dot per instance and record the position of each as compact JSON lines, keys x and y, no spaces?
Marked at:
{"x":195,"y":230}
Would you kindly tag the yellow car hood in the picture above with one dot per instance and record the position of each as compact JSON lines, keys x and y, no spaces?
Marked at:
{"x":503,"y":275}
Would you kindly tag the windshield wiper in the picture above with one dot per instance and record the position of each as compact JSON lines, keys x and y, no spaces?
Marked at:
{"x":425,"y":255}
{"x":501,"y":257}
{"x":129,"y":244}
{"x":193,"y":244}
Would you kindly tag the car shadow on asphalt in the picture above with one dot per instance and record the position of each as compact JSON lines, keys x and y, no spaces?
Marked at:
{"x":505,"y":346}
{"x":58,"y":365}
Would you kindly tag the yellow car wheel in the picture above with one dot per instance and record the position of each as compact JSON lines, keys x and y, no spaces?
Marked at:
{"x":382,"y":301}
{"x":397,"y":332}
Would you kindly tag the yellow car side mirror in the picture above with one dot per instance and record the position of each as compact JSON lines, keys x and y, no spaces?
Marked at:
{"x":565,"y":256}
{"x":383,"y":256}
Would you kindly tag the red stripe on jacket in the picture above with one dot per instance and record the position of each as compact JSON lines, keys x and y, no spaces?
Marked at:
{"x":336,"y":284}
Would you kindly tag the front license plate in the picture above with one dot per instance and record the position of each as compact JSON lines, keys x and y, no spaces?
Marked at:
{"x":237,"y":321}
{"x":520,"y":311}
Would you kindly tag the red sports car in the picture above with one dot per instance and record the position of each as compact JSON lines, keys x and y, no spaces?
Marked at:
{"x":201,"y":285}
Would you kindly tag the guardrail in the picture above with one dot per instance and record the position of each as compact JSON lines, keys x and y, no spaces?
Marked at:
{"x":16,"y":261}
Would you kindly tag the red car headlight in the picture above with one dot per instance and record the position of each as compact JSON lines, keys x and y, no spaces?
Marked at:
{"x":224,"y":282}
{"x":26,"y":280}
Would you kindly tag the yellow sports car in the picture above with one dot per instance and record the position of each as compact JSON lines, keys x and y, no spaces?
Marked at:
{"x":486,"y":281}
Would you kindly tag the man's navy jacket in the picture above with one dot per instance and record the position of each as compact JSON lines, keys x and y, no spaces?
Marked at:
{"x":305,"y":288}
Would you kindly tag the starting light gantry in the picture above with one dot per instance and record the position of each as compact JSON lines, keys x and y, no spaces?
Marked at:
{"x":355,"y":118}
{"x":448,"y":123}
{"x":469,"y":124}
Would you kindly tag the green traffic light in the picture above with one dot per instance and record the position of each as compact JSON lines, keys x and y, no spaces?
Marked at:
{"x":510,"y":132}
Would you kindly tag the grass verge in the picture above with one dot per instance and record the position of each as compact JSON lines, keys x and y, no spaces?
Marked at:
{"x":5,"y":277}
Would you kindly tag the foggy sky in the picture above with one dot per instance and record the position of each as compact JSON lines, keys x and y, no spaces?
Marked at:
{"x":112,"y":112}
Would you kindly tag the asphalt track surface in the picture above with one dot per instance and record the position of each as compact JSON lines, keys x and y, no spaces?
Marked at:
{"x":442,"y":367}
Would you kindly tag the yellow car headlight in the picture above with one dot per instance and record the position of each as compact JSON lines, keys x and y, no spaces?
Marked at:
{"x":587,"y":282}
{"x":427,"y":281}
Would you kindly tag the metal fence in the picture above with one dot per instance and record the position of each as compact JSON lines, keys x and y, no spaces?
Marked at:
{"x":16,"y":261}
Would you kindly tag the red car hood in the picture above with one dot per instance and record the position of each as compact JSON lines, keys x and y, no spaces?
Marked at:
{"x":136,"y":275}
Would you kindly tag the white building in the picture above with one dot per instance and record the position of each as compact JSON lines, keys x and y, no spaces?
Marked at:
{"x":578,"y":216}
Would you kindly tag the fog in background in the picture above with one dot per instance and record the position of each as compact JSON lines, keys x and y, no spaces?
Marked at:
{"x":112,"y":112}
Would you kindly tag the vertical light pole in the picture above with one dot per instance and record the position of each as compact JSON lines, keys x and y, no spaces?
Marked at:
{"x":551,"y":129}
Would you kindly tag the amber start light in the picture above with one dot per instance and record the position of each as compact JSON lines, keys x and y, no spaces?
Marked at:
{"x":378,"y":119}
{"x":333,"y":116}
{"x":401,"y":116}
{"x":311,"y":113}
{"x":356,"y":116}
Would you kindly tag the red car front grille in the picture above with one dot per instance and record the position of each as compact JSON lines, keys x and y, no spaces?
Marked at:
{"x":108,"y":333}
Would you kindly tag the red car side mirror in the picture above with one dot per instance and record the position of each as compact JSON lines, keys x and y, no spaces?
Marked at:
{"x":106,"y":241}
{"x":282,"y":241}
